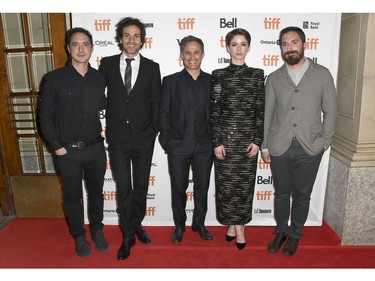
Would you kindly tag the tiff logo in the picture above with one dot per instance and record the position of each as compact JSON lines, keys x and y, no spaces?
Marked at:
{"x":312,"y":43}
{"x":180,"y":61}
{"x":222,"y":42}
{"x":271,"y":23}
{"x":97,"y":60}
{"x":270,"y":60}
{"x":263,"y":165}
{"x":109,"y":195}
{"x":148,"y":42}
{"x":189,"y":196}
{"x":151,"y":181}
{"x":263,"y":195}
{"x":150,"y":211}
{"x":102,"y":25}
{"x":187,"y":23}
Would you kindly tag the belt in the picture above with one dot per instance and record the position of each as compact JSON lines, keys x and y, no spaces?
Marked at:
{"x":84,"y":143}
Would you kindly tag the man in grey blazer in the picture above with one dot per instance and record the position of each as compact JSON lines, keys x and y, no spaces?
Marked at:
{"x":133,"y":93}
{"x":300,"y":120}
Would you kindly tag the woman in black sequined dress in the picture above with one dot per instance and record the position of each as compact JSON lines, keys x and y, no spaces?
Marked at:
{"x":237,"y":104}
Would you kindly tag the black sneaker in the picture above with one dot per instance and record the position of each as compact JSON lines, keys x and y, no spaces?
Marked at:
{"x":82,"y":247}
{"x":100,"y":243}
{"x":276,"y":243}
{"x":290,"y":247}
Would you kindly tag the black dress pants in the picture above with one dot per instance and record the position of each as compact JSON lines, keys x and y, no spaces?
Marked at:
{"x":131,"y":167}
{"x":88,"y":164}
{"x":180,"y":160}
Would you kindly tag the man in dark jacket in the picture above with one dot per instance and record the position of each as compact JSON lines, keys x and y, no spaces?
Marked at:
{"x":185,"y":136}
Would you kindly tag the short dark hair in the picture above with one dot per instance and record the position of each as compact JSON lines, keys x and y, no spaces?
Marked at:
{"x":237,"y":31}
{"x":188,"y":39}
{"x":127,"y":21}
{"x":70,"y":33}
{"x":295,"y":29}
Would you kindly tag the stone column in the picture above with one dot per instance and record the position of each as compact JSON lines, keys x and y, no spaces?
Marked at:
{"x":349,"y":207}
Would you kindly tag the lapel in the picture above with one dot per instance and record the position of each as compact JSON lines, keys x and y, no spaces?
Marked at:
{"x":139,"y":76}
{"x":183,"y":92}
{"x":117,"y":72}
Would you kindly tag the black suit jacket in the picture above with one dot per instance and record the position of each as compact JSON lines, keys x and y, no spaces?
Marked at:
{"x":173,"y":108}
{"x":139,"y":110}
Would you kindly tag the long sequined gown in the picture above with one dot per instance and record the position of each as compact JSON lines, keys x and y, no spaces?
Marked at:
{"x":237,"y":115}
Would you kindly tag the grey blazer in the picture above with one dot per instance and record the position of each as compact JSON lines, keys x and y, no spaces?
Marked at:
{"x":307,"y":111}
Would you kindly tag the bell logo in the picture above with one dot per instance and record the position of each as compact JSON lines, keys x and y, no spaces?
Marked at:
{"x":187,"y":23}
{"x":261,"y":180}
{"x":228,"y":24}
{"x":148,"y":42}
{"x":270,"y":60}
{"x":271,"y":23}
{"x":312,"y":43}
{"x":102,"y":25}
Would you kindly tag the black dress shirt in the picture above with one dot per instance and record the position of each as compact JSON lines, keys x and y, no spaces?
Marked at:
{"x":70,"y":105}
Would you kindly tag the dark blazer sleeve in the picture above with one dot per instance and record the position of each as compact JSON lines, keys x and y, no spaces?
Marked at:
{"x":172,"y":113}
{"x":164,"y":113}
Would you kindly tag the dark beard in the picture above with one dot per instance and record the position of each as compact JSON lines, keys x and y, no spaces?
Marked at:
{"x":293,"y":60}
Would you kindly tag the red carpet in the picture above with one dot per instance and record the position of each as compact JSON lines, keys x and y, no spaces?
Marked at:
{"x":45,"y":243}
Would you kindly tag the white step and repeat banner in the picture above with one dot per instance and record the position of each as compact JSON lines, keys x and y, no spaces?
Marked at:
{"x":162,"y":45}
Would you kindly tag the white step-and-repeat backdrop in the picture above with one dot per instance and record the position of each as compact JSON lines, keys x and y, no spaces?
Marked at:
{"x":162,"y":45}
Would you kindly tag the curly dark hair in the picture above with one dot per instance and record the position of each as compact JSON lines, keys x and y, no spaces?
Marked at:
{"x":127,"y":21}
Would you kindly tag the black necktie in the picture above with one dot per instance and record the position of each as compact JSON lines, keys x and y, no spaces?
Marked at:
{"x":128,"y":76}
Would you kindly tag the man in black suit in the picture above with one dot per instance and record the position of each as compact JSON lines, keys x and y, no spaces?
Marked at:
{"x":185,"y":136}
{"x":133,"y":92}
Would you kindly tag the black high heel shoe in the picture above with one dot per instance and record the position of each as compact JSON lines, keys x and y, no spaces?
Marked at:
{"x":241,"y":246}
{"x":229,"y":238}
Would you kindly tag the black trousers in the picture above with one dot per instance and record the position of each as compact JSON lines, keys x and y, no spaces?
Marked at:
{"x":131,"y":167}
{"x":180,"y":160}
{"x":88,"y":164}
{"x":294,"y":175}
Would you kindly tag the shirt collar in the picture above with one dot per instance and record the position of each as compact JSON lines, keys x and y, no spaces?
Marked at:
{"x":137,"y":58}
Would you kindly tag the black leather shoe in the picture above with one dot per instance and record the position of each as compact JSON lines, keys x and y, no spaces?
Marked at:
{"x":276,"y":243}
{"x":203,"y":232}
{"x":290,"y":247}
{"x":124,"y":251}
{"x":100,"y":243}
{"x":83,"y":248}
{"x":142,"y":235}
{"x":177,"y":235}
